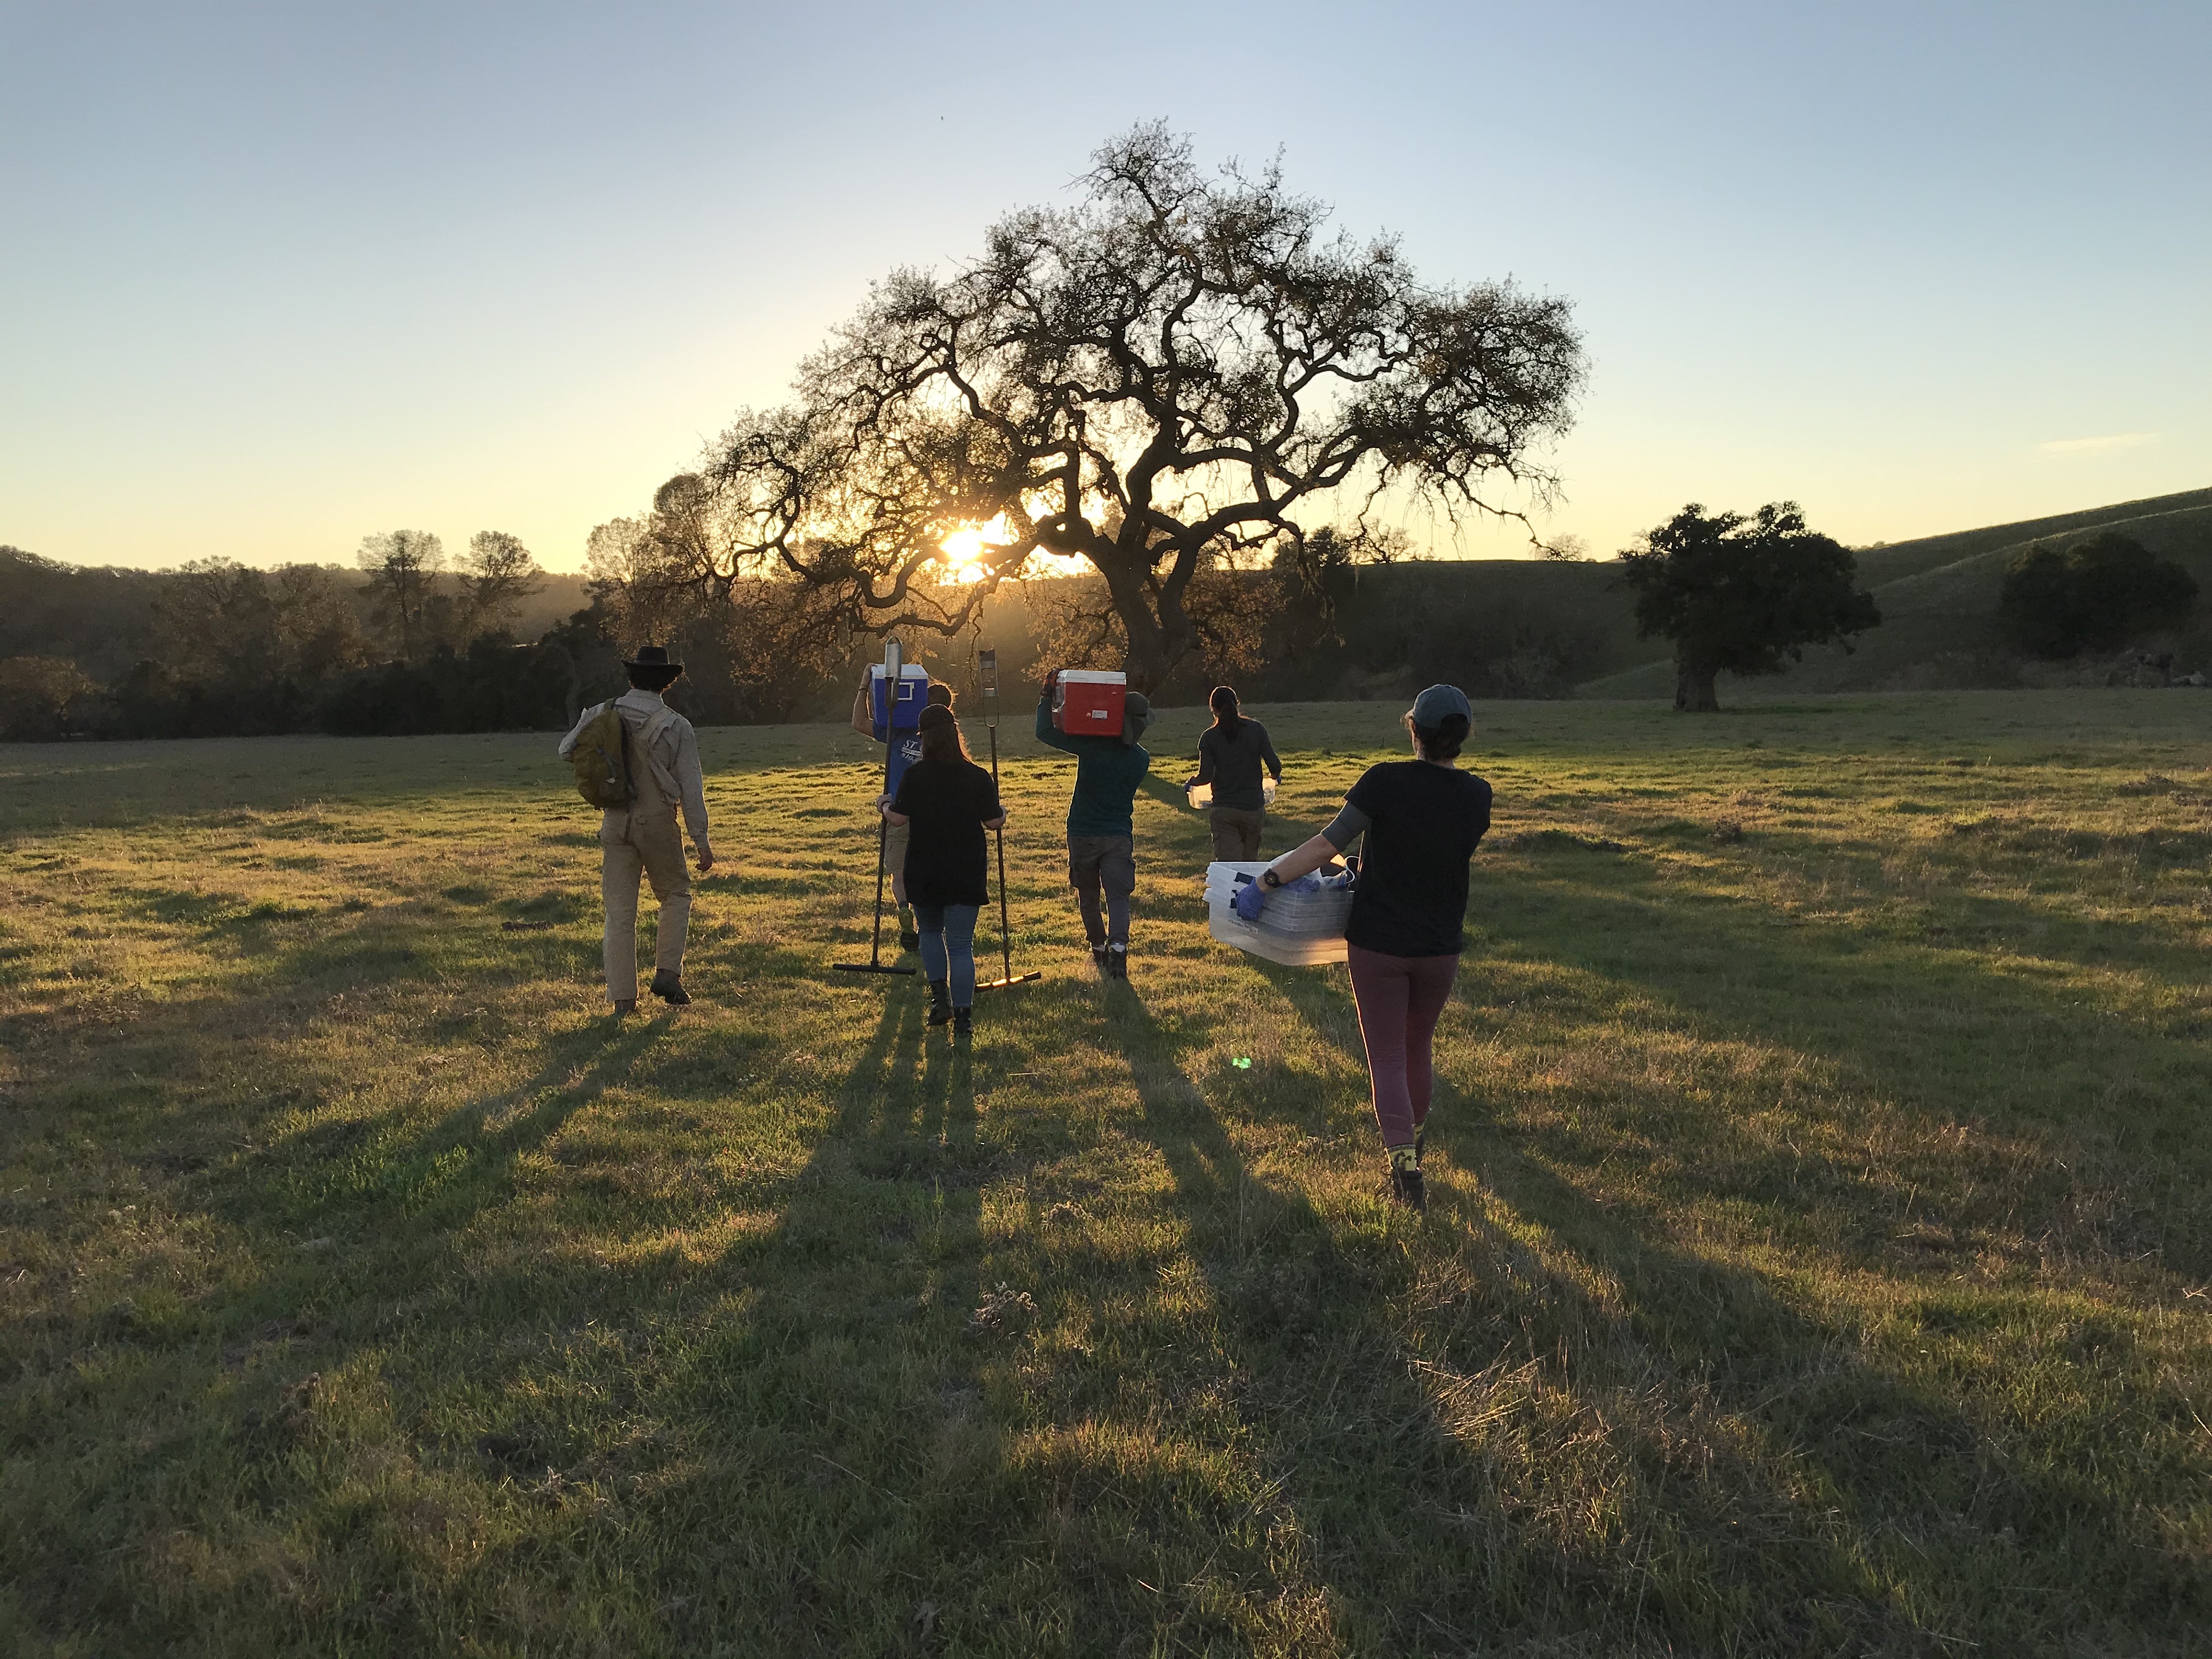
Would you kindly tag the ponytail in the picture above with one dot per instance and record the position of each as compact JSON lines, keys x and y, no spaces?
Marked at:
{"x":1442,"y":741}
{"x":1224,"y":707}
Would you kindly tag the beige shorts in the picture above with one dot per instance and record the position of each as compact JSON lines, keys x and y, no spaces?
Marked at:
{"x":894,"y":839}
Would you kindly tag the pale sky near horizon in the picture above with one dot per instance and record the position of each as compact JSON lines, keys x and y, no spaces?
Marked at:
{"x":279,"y":275}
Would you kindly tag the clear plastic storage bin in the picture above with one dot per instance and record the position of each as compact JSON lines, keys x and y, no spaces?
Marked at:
{"x":1299,"y":930}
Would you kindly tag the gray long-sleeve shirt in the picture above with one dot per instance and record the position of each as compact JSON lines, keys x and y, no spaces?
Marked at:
{"x":1232,"y":765}
{"x":671,"y":754}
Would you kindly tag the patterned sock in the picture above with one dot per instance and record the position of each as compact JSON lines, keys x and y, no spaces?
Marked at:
{"x":1404,"y":1159}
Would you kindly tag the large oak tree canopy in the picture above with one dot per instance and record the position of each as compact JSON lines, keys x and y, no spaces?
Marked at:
{"x":1176,"y":371}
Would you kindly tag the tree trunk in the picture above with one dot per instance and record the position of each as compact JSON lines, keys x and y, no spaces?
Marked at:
{"x":1695,"y":692}
{"x":1156,"y":645}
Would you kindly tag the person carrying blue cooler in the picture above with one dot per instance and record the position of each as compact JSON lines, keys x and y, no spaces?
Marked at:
{"x":905,"y":751}
{"x":1102,"y":826}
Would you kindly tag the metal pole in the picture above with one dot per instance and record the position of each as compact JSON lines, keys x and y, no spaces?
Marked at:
{"x":874,"y":965}
{"x":987,"y":668}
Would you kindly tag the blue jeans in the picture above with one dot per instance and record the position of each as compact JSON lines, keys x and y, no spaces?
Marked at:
{"x":948,"y":946}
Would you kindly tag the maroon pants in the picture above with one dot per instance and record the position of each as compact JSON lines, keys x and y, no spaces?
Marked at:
{"x":1400,"y":999}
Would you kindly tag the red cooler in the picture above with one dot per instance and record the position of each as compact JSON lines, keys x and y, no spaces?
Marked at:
{"x":1086,"y":702}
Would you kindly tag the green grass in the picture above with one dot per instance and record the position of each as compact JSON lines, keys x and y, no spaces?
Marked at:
{"x":1817,"y":1262}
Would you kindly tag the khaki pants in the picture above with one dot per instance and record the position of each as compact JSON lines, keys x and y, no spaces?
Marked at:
{"x":633,"y":843}
{"x":1236,"y":833}
{"x":895,"y":838}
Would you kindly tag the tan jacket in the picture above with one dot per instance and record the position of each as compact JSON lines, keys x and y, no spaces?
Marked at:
{"x":671,"y":756}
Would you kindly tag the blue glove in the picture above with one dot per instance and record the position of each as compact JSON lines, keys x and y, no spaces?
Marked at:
{"x":1251,"y":899}
{"x":1306,"y":883}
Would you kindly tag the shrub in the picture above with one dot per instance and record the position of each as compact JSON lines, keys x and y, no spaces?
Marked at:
{"x":2092,"y":596}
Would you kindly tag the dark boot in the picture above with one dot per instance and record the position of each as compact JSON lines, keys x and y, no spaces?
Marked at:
{"x":669,"y":987}
{"x":940,"y":1002}
{"x":1406,"y":1184}
{"x":909,"y":939}
{"x":1117,"y":961}
{"x":1407,"y":1189}
{"x":963,"y":1024}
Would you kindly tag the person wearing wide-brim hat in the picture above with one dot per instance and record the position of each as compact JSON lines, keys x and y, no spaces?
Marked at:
{"x":1421,"y":819}
{"x":1102,"y":848}
{"x":641,"y":839}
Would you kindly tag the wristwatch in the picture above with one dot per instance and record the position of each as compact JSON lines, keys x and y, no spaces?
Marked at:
{"x":1269,"y":878}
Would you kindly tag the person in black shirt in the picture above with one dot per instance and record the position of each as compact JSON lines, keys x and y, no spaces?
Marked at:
{"x":1421,"y":819}
{"x":1231,"y":754}
{"x":947,"y":801}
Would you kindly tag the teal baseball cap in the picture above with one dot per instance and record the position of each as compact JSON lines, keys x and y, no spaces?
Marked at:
{"x":1438,"y":703}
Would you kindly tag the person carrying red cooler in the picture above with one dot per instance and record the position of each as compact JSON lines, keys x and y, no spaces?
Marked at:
{"x":1110,"y":765}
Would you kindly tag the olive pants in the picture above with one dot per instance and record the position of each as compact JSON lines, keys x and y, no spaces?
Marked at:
{"x":1236,"y":833}
{"x":638,"y":843}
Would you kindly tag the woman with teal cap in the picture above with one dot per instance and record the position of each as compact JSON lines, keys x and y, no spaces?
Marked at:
{"x":1421,"y":819}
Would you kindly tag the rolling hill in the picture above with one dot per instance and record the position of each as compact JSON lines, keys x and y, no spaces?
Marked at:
{"x":1939,"y":598}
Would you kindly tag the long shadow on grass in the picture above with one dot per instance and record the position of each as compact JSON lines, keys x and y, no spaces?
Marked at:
{"x":1853,"y":1475}
{"x":1429,"y":1537}
{"x":846,"y":1475}
{"x":1939,"y":1040}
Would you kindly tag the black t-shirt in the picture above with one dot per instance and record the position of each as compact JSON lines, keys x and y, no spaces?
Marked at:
{"x":1423,"y":823}
{"x":947,"y":802}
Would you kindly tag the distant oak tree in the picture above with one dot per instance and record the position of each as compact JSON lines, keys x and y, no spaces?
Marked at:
{"x":402,"y":567}
{"x":2091,"y":597}
{"x":496,"y":574}
{"x":1743,"y":594}
{"x":1162,"y":382}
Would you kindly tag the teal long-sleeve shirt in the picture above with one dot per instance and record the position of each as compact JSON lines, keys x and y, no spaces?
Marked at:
{"x":1106,"y":773}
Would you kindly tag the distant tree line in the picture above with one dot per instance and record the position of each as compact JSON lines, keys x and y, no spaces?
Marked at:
{"x":408,"y":642}
{"x":2091,"y":597}
{"x":218,"y":648}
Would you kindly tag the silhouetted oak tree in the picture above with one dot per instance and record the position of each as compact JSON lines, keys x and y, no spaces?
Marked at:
{"x":1158,"y":380}
{"x":1743,"y":594}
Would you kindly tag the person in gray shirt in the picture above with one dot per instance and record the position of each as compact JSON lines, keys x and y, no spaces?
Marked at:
{"x":1231,"y":753}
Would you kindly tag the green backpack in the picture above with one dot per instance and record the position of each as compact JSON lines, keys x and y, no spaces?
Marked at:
{"x":601,"y":758}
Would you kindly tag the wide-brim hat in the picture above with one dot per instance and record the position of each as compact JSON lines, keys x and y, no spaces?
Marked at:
{"x":653,"y":656}
{"x":1136,"y":716}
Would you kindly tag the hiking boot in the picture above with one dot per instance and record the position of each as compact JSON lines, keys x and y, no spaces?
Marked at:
{"x":1406,"y":1188}
{"x":963,"y":1024}
{"x":627,"y":1006}
{"x":669,"y":988}
{"x":1098,"y":959}
{"x":910,"y":936}
{"x":1117,"y":962}
{"x":940,"y":1003}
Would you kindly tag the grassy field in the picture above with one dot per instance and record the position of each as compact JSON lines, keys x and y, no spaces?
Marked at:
{"x":1817,"y":1262}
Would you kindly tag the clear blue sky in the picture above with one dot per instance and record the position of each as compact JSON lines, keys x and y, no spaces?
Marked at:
{"x":274,"y":276}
